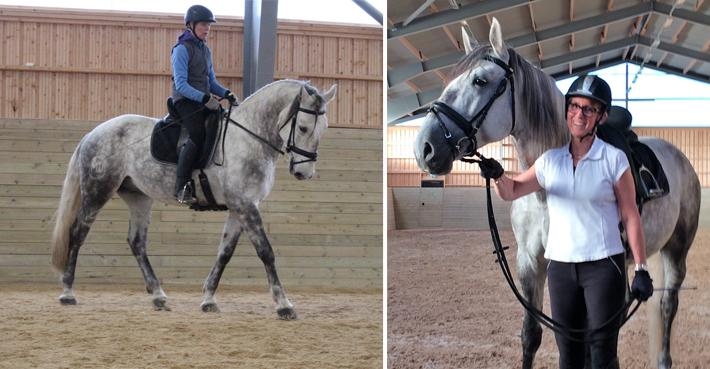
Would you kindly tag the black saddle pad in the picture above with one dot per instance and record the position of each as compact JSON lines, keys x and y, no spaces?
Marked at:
{"x":166,"y":133}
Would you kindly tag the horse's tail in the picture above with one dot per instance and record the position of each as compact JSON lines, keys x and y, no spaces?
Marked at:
{"x":653,"y":308}
{"x":67,"y":210}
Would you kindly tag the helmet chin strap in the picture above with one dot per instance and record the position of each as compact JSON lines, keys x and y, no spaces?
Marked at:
{"x":191,"y":27}
{"x":592,"y":132}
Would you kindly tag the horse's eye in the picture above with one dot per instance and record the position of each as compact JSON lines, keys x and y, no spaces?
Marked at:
{"x":479,"y":81}
{"x":303,"y":129}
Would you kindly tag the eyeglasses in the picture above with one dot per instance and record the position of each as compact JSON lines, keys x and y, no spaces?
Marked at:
{"x":587,"y":111}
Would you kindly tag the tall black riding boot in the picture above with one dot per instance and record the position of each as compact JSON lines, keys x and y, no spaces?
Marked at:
{"x":184,"y":191}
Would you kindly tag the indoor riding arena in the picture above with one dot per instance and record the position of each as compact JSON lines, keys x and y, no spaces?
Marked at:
{"x":470,"y":76}
{"x":65,"y":71}
{"x":449,"y":305}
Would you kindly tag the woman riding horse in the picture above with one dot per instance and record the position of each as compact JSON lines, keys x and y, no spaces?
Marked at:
{"x":193,"y":83}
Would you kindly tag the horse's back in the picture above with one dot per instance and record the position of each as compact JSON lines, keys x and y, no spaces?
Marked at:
{"x":112,"y":144}
{"x":680,"y":209}
{"x":124,"y":126}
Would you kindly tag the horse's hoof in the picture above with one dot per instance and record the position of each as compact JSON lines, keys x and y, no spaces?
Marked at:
{"x":287,"y":314}
{"x":160,"y":305}
{"x":67,"y":300}
{"x":210,"y":308}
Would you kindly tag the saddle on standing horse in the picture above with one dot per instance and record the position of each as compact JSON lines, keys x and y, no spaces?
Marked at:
{"x":649,"y":176}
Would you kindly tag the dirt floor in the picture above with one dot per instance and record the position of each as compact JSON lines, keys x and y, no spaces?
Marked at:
{"x":115,"y":327}
{"x":450,"y":307}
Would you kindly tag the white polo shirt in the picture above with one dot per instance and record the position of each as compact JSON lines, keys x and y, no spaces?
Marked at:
{"x":584,"y":216}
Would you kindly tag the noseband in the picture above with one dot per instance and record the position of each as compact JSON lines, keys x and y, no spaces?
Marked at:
{"x":471,"y":126}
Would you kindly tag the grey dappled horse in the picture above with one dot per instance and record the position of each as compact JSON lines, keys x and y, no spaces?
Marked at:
{"x":115,"y":158}
{"x":534,"y":117}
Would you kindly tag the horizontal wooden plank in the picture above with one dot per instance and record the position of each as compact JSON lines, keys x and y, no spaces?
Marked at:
{"x":206,"y":262}
{"x":174,"y":240}
{"x":340,"y":278}
{"x":244,"y":248}
{"x":211,"y":228}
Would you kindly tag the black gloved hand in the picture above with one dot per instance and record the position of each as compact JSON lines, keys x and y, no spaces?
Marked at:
{"x":642,"y":286}
{"x":490,"y":168}
{"x":229,"y":95}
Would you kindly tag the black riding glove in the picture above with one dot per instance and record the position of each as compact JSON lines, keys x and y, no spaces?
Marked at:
{"x":229,"y":95}
{"x":490,"y":168}
{"x":642,"y":286}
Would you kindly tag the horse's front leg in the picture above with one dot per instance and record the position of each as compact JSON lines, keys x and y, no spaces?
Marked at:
{"x":255,"y":230}
{"x":230,"y":237}
{"x":532,"y":281}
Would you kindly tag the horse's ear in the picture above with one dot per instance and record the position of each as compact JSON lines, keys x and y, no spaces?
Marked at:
{"x":496,"y":39}
{"x":330,"y":94}
{"x":469,"y":42}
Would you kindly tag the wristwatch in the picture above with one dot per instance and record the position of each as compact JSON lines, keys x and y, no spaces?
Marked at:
{"x":641,"y":267}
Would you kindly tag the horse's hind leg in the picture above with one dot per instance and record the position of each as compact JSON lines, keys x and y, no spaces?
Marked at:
{"x":139,"y":206}
{"x":230,"y":237}
{"x":91,"y":203}
{"x":673,"y":257}
{"x":255,"y":230}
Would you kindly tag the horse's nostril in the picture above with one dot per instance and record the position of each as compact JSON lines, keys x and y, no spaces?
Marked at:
{"x":427,"y":149}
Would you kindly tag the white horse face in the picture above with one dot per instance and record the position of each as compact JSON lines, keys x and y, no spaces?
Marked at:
{"x":481,"y":96}
{"x":311,"y":122}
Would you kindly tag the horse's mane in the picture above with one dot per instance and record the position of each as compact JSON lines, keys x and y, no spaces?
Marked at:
{"x":546,"y":124}
{"x":303,"y":84}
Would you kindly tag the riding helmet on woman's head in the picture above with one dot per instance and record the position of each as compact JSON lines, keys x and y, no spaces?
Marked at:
{"x":591,"y":87}
{"x":199,"y":13}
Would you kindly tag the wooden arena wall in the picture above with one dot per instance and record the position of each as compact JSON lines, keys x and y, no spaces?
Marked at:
{"x":461,"y":203}
{"x":326,"y":232}
{"x":63,"y":72}
{"x":90,"y":66}
{"x":402,"y":169}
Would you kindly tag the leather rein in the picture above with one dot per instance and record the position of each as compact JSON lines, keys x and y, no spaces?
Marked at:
{"x":291,"y":142}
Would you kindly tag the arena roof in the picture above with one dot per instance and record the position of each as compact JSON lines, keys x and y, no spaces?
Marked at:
{"x":563,"y":38}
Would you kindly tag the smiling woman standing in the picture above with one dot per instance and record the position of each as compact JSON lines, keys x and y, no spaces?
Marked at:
{"x":589,"y":190}
{"x":194,"y":82}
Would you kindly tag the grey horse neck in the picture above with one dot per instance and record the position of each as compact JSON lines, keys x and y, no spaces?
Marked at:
{"x":261,"y":111}
{"x":540,"y":113}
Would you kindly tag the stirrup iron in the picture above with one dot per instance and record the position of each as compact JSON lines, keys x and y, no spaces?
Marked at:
{"x":649,"y":183}
{"x":186,"y":195}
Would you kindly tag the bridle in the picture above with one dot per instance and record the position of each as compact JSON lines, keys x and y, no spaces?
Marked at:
{"x":291,"y":141}
{"x":471,"y":126}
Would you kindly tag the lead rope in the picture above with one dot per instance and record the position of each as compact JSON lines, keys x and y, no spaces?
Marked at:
{"x":537,"y":314}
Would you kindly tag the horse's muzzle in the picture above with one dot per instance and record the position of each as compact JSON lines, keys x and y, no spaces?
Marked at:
{"x":432,"y":152}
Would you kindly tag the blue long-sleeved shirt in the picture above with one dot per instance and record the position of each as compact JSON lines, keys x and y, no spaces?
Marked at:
{"x":180,"y":60}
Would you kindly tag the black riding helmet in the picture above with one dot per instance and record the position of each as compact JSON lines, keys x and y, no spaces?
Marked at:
{"x":199,"y":13}
{"x":591,"y":87}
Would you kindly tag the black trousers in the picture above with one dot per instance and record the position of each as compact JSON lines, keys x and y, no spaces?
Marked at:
{"x":586,"y":295}
{"x":192,"y":117}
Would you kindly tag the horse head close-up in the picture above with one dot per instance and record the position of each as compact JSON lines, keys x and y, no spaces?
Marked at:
{"x":479,"y":105}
